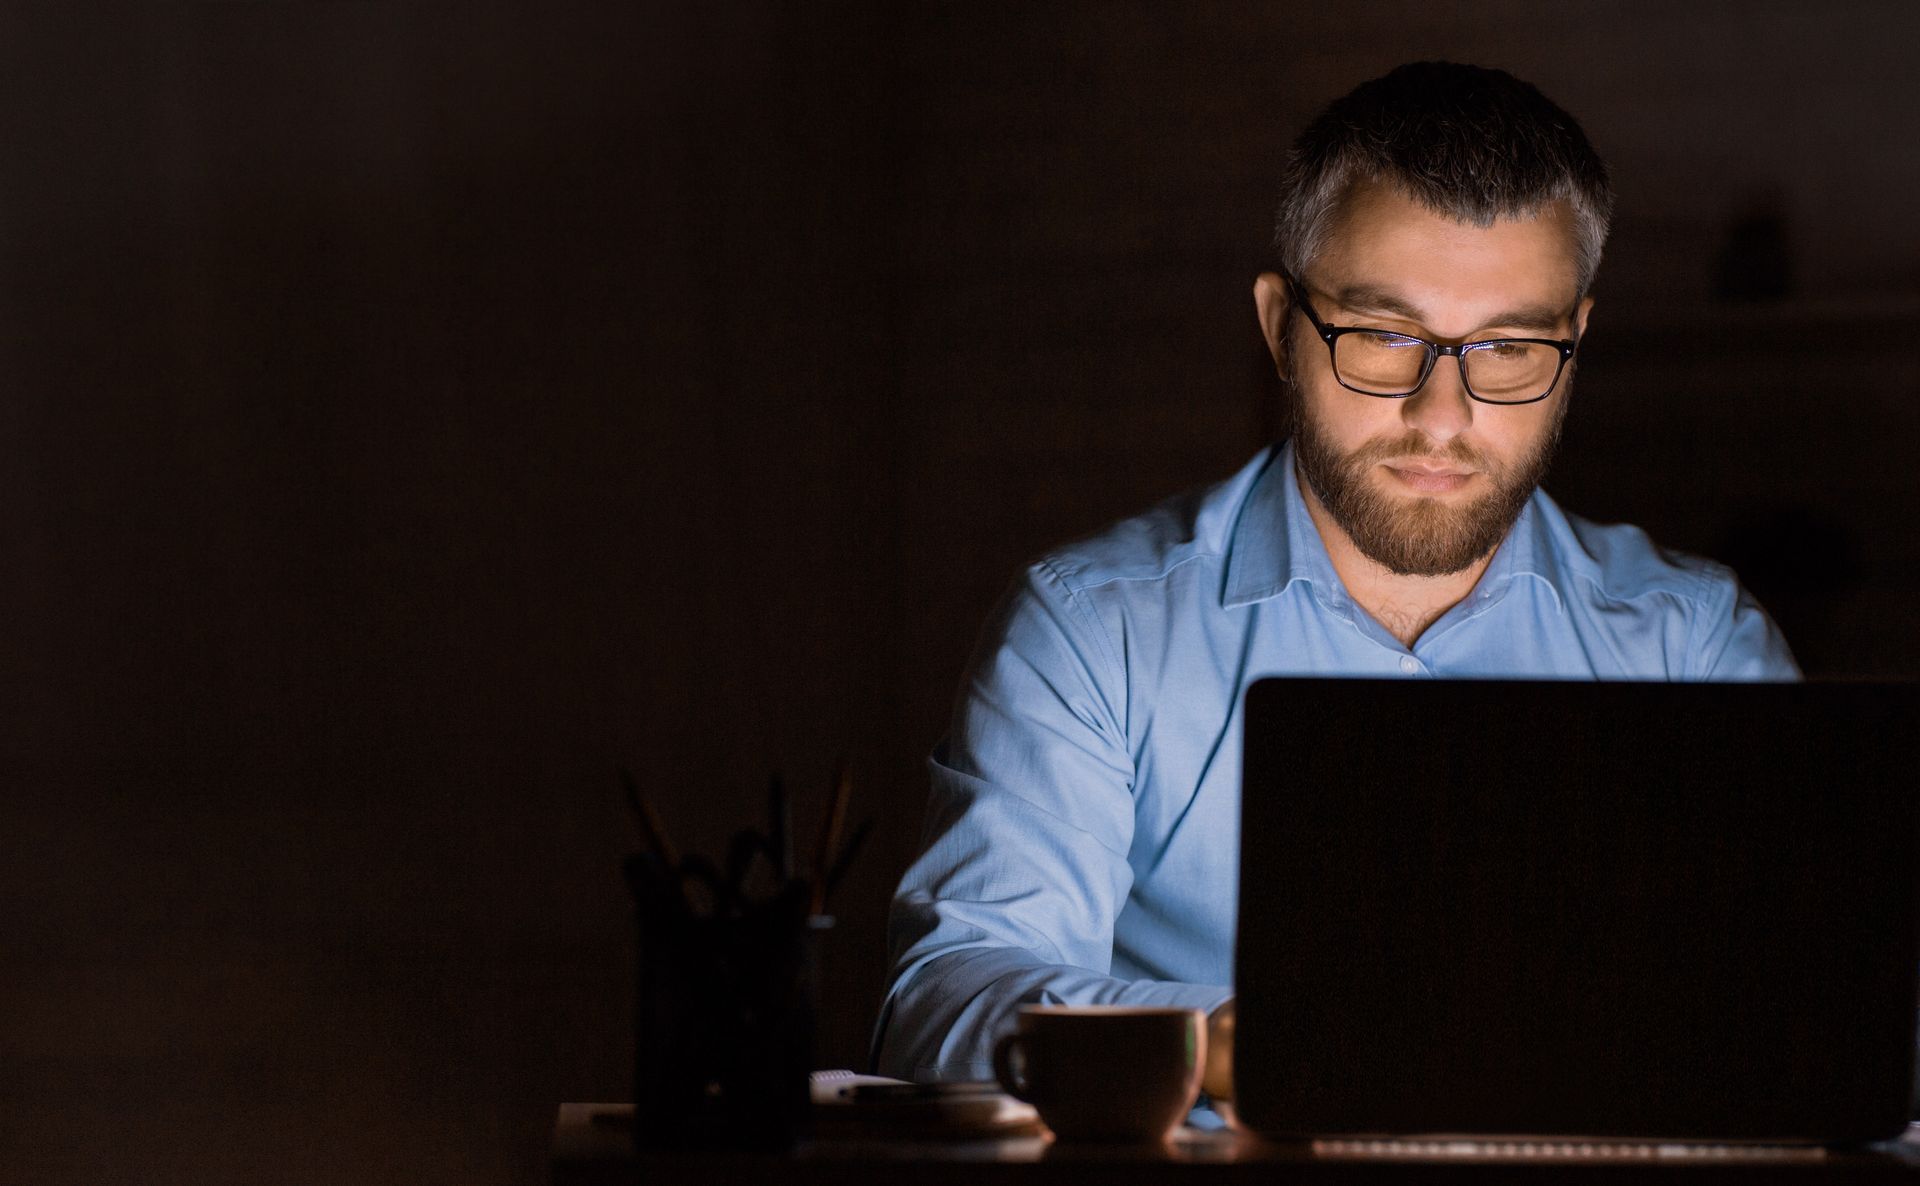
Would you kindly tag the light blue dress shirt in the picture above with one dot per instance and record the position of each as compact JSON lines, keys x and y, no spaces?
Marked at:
{"x":1083,"y":828}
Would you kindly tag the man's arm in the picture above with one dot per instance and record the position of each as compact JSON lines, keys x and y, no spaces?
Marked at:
{"x":1029,"y":823}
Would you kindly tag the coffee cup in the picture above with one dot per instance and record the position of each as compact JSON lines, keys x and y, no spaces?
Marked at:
{"x":1119,"y":1073}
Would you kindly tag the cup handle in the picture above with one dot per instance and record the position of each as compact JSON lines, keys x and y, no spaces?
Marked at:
{"x":1009,"y":1052}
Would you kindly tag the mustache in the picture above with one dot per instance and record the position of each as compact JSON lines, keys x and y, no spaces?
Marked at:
{"x":1415,"y":446}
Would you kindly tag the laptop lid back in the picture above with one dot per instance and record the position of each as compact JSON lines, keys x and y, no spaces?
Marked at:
{"x":1574,"y":909}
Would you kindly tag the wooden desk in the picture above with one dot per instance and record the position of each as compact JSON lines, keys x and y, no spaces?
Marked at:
{"x":591,"y":1147}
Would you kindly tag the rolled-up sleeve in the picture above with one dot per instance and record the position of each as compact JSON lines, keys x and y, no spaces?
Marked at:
{"x":1024,"y":867}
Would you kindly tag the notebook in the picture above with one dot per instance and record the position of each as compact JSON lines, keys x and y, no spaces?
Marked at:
{"x":1664,"y":912}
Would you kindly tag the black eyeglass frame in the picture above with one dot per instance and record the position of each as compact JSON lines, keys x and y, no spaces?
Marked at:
{"x":1331,"y":333}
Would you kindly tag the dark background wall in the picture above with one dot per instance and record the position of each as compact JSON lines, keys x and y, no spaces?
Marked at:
{"x":410,"y":413}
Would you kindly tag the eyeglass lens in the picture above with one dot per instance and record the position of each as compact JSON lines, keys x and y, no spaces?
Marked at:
{"x":1389,"y":364}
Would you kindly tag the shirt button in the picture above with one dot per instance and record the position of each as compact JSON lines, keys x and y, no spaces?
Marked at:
{"x":1409,"y":664}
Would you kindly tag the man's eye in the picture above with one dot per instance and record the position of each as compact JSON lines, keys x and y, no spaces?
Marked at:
{"x":1387,"y":341}
{"x":1505,"y":349}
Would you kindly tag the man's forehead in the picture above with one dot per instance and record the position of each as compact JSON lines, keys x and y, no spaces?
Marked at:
{"x":1385,"y":244}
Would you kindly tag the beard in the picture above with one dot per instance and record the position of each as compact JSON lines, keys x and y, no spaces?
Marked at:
{"x":1420,"y":536}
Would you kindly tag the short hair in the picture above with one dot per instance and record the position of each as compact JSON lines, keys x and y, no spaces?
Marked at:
{"x":1471,"y":143}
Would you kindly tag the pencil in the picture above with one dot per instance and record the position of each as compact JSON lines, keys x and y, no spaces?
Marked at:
{"x":780,"y":828}
{"x":844,"y":860}
{"x":653,"y":832}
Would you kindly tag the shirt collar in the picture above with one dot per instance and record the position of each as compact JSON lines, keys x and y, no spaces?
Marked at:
{"x":1275,"y":543}
{"x":1526,"y":552}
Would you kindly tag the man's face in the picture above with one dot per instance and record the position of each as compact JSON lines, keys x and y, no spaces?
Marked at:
{"x":1430,"y":484}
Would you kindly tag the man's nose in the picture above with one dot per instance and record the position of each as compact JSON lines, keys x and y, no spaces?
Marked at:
{"x":1441,"y":409}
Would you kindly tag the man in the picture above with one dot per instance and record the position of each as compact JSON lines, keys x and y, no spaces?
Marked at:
{"x":1438,"y":231}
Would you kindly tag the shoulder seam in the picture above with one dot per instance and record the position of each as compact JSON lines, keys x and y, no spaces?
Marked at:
{"x":1700,"y":629}
{"x":1156,"y":575}
{"x":1107,"y":647}
{"x":1116,"y":668}
{"x":1692,"y":585}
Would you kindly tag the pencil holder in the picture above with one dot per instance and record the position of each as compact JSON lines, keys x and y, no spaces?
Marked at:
{"x":724,"y":1022}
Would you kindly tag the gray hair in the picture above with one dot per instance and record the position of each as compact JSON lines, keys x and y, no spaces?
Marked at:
{"x":1466,"y":142}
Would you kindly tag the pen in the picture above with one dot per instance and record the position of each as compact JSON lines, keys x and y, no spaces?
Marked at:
{"x":830,"y":834}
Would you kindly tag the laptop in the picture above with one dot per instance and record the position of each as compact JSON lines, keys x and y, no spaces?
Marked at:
{"x":1641,"y":912}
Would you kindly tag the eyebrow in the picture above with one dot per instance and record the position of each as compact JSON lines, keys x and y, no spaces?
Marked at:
{"x":1369,"y":298}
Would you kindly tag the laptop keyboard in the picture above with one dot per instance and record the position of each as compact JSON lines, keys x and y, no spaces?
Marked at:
{"x":1521,"y":1150}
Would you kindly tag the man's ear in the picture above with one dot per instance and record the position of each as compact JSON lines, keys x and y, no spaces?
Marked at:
{"x":1580,"y":318}
{"x":1271,"y":300}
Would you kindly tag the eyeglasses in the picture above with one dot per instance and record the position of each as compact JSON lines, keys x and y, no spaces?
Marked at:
{"x":1394,"y":366}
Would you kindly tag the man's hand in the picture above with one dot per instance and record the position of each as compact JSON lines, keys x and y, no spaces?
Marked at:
{"x":1218,"y":1080}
